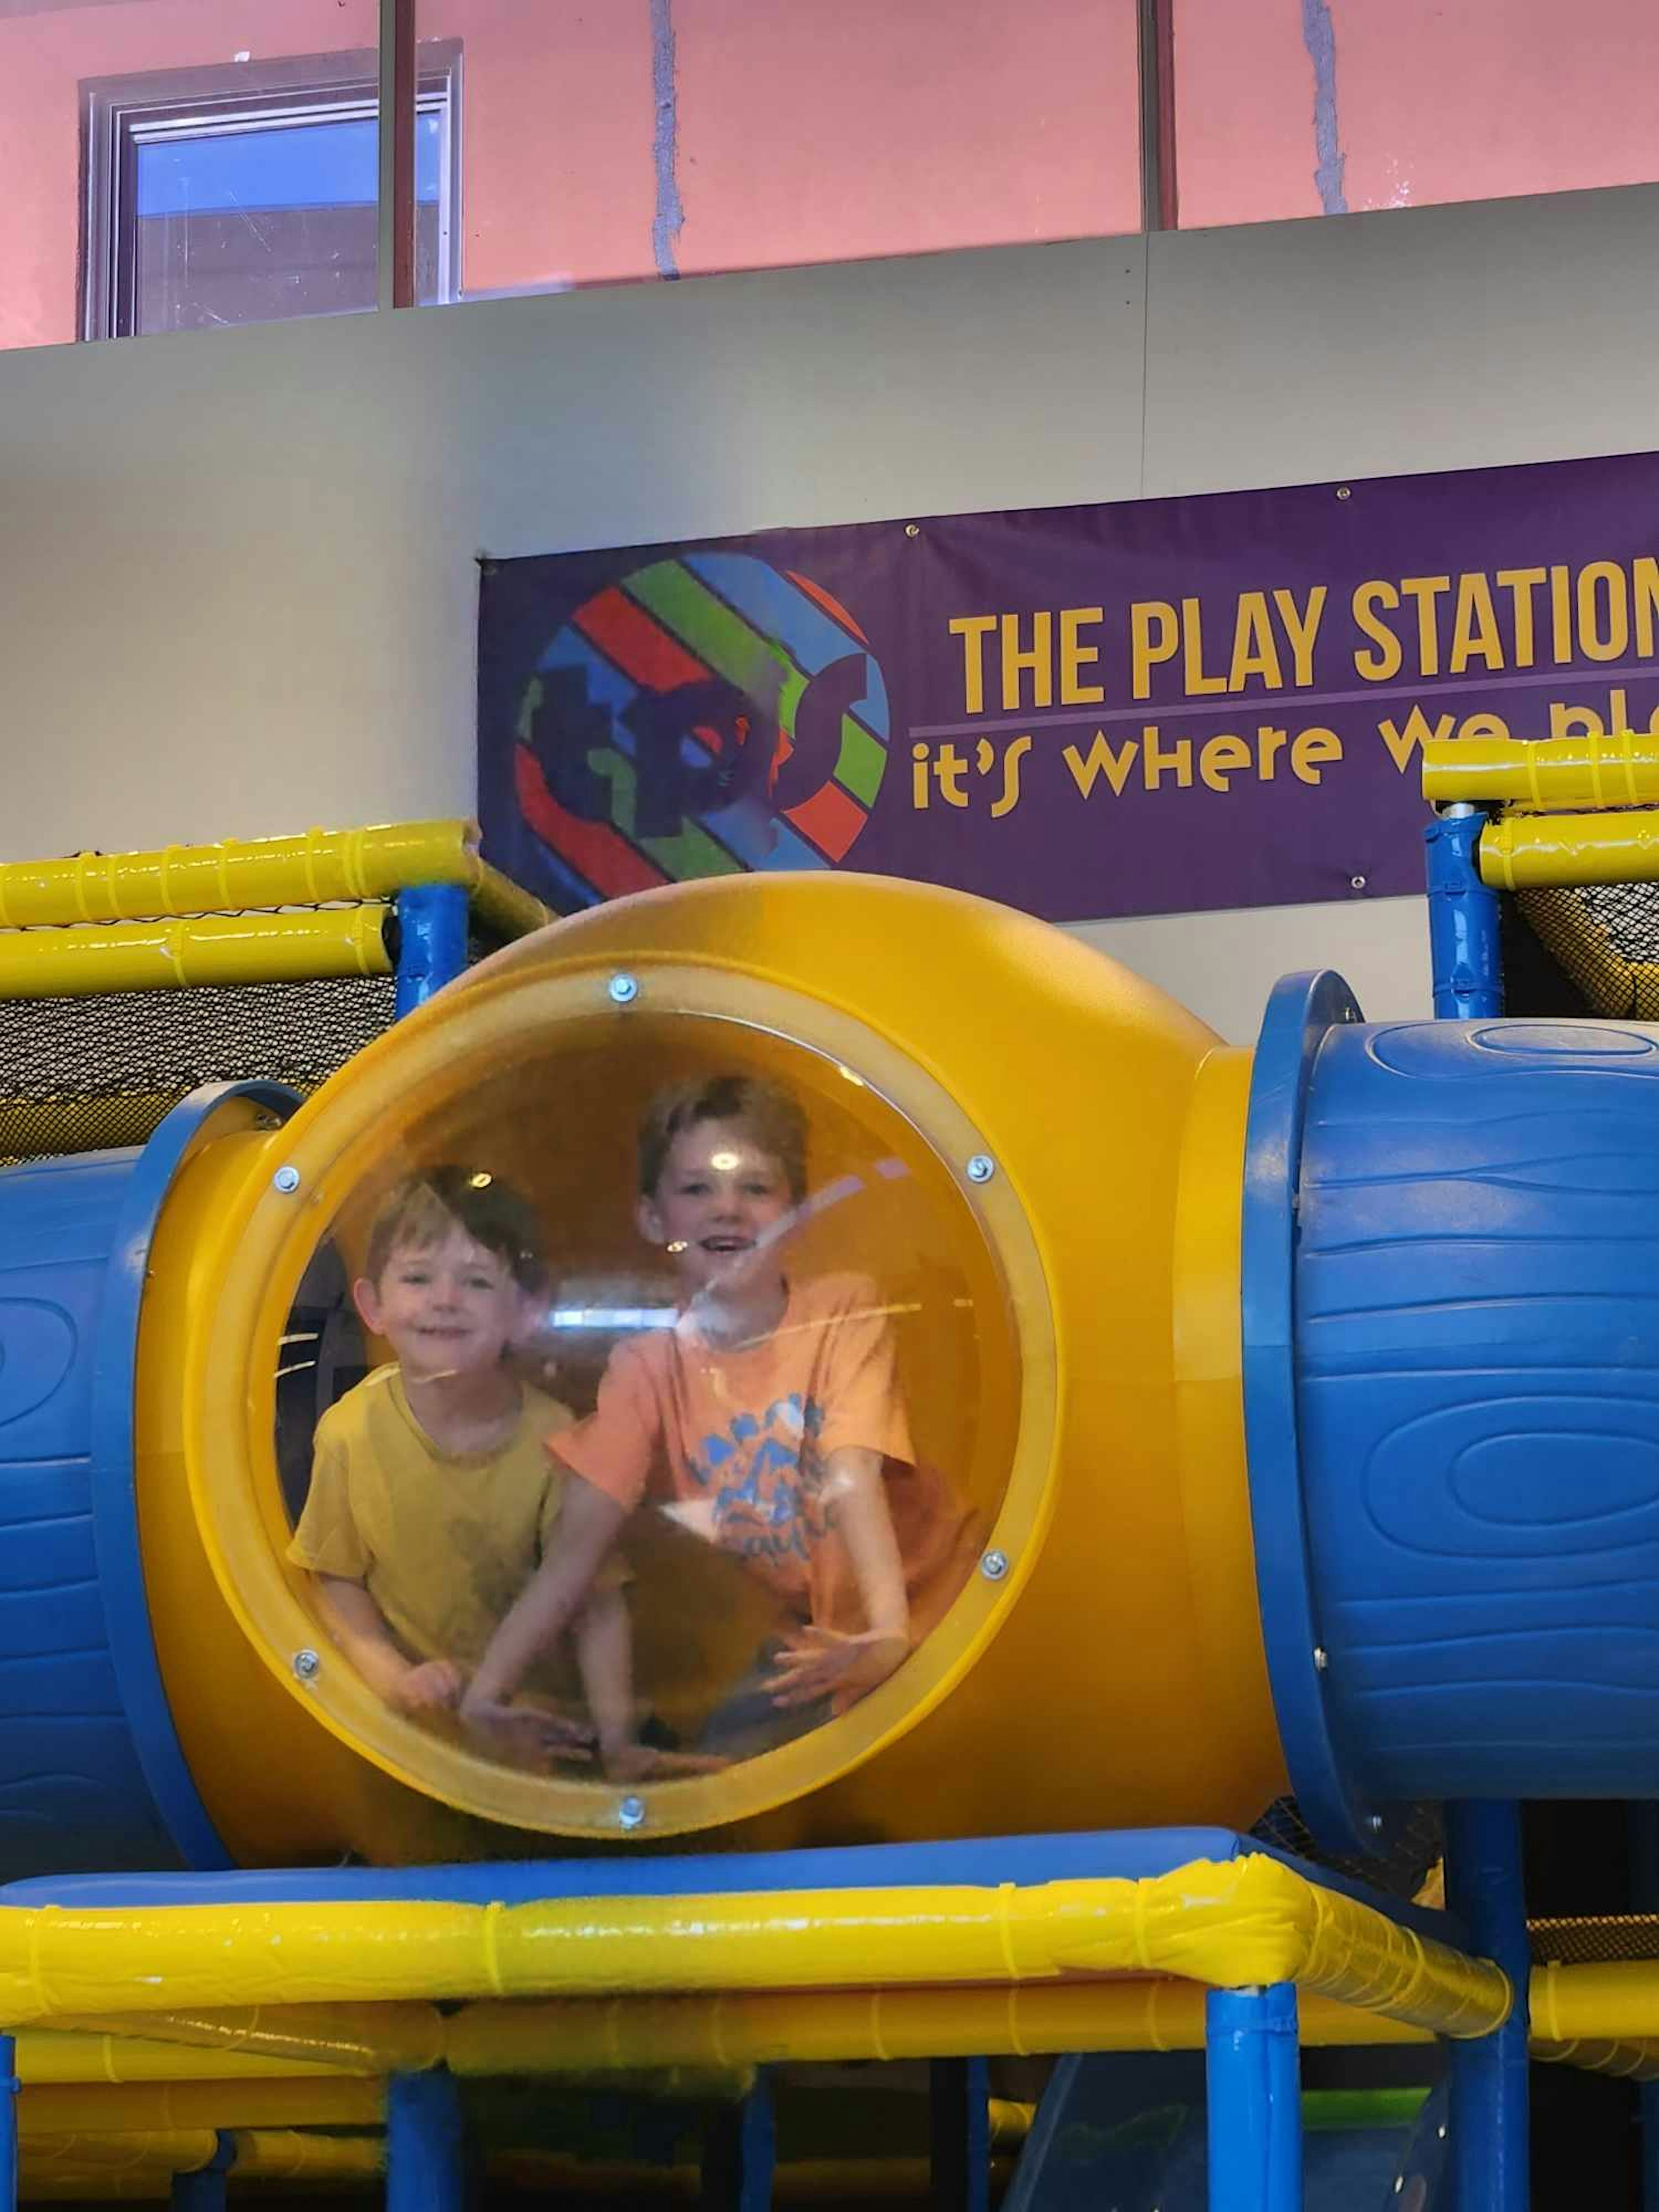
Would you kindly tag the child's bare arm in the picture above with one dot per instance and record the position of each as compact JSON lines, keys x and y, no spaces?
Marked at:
{"x":819,"y":1660}
{"x":359,"y":1628}
{"x":605,"y":1659}
{"x":589,"y":1522}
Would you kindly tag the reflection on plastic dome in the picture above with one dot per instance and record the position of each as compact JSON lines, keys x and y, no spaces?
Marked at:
{"x":645,"y":1414}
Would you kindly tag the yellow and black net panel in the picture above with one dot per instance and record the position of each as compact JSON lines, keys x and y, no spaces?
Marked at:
{"x":79,"y":1074}
{"x":1594,"y":1942}
{"x":1604,"y":940}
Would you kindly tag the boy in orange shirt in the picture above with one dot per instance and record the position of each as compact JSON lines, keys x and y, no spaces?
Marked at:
{"x":767,"y":1420}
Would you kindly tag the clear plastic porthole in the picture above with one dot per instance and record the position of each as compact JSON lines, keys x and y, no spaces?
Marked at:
{"x":643,"y":1406}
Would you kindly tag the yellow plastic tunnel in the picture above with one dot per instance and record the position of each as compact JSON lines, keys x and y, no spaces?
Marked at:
{"x":1048,"y":1240}
{"x":1024,"y":1194}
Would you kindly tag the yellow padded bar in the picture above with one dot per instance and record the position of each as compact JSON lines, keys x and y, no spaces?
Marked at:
{"x":1524,"y":851}
{"x":213,"y":948}
{"x":1617,"y":769}
{"x":315,"y":868}
{"x":1250,"y":1921}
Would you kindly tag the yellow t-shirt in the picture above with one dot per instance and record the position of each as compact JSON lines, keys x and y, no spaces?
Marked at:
{"x":443,"y":1542}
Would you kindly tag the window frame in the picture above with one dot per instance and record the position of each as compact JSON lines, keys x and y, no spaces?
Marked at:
{"x":119,"y":114}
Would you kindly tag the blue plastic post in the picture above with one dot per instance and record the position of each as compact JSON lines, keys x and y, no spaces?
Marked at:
{"x":7,"y":2123}
{"x":1644,"y":1898}
{"x":959,"y":2116}
{"x":424,"y":2168}
{"x":1465,"y":945}
{"x":431,"y":942}
{"x":1254,"y":2097}
{"x":203,"y":2191}
{"x":740,"y":2153}
{"x":1484,"y":1888}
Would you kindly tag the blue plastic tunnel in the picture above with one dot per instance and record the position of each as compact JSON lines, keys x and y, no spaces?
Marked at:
{"x":1452,"y":1397}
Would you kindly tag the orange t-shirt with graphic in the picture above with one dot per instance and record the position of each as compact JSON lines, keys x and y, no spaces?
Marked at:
{"x":736,"y":1442}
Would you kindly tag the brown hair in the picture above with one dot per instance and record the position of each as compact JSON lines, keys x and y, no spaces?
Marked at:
{"x":765,"y":1112}
{"x":422,"y":1209}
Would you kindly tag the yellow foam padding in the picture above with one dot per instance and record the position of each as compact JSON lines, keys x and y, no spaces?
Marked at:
{"x":47,"y":2056}
{"x":505,"y":908}
{"x":1617,"y":2002}
{"x":61,"y":2108}
{"x":1524,"y":850}
{"x":1614,"y":767}
{"x":280,"y":2154}
{"x":345,"y":2039}
{"x":1250,"y":1920}
{"x":141,"y":2163}
{"x":1633,"y":2062}
{"x":586,"y":2036}
{"x":212,"y":948}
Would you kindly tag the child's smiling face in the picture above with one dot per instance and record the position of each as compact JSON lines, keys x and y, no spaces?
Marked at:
{"x":719,"y":1199}
{"x":447,"y":1308}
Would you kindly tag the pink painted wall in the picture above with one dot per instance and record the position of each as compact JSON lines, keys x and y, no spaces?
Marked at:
{"x":1430,"y":100}
{"x":804,"y":133}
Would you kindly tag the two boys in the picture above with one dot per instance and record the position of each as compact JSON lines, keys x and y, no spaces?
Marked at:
{"x":766,"y":1420}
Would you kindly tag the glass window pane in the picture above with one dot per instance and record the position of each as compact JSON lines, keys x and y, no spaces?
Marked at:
{"x":250,"y":226}
{"x":605,"y":143}
{"x":51,"y":54}
{"x":1333,"y":107}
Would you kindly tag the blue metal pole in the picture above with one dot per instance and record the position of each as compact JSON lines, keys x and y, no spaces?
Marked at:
{"x":1255,"y":2100}
{"x":959,"y":2124}
{"x":1465,"y":945}
{"x":424,"y":2168}
{"x":7,"y":2123}
{"x":431,"y":941}
{"x":204,"y":2190}
{"x":1485,"y":1888}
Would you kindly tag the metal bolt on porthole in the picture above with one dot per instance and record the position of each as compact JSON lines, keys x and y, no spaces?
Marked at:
{"x":994,"y":1566}
{"x":913,"y":530}
{"x":623,"y":989}
{"x":1342,"y":492}
{"x":1357,"y":883}
{"x":286,"y":1179}
{"x":630,"y":1813}
{"x":306,"y":1665}
{"x":1322,"y":1657}
{"x":982,"y":1167}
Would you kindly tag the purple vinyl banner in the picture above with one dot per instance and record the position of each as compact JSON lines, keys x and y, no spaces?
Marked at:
{"x":1156,"y":706}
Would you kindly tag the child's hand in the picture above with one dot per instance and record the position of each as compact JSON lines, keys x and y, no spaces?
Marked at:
{"x":524,"y":1736}
{"x":638,"y":1762}
{"x":819,"y":1661}
{"x":433,"y":1686}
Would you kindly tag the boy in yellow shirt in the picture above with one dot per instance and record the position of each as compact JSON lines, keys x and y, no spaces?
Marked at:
{"x":434,"y":1498}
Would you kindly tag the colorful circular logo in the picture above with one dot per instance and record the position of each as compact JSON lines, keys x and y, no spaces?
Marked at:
{"x":702,"y":716}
